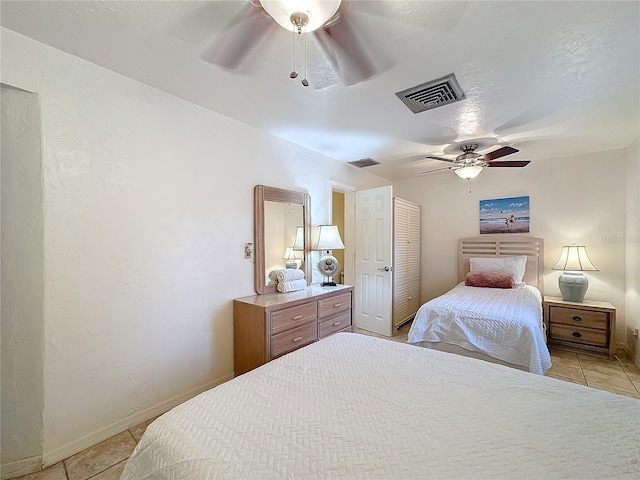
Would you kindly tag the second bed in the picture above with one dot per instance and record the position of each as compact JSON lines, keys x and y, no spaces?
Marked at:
{"x":500,"y":325}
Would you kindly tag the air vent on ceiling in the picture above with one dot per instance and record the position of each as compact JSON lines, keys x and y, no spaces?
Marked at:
{"x":432,"y":94}
{"x":364,"y":162}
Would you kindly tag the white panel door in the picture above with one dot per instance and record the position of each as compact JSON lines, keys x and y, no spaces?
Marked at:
{"x":373,"y":279}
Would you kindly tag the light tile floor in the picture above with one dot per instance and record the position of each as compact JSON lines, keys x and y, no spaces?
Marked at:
{"x":106,"y":460}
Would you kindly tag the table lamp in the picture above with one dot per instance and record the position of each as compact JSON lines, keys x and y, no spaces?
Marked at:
{"x":328,"y":265}
{"x":290,"y":257}
{"x":573,"y":283}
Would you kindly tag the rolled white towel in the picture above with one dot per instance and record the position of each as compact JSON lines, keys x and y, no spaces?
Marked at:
{"x":289,"y":274}
{"x":292,"y":286}
{"x":273,"y":277}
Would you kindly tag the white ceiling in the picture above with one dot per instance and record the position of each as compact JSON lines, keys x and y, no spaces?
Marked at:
{"x":552,"y":79}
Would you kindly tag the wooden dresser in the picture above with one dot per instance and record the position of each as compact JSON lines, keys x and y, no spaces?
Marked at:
{"x":268,"y":326}
{"x":587,"y":327}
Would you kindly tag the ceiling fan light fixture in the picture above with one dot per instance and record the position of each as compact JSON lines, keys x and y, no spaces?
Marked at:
{"x":468,"y":172}
{"x":289,"y":13}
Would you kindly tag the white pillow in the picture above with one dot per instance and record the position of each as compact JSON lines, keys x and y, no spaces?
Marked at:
{"x":510,"y":264}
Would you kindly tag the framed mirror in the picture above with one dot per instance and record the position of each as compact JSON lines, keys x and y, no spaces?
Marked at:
{"x":282,"y":233}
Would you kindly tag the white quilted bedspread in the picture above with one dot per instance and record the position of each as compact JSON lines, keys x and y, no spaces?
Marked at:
{"x":352,"y":407}
{"x":503,"y":323}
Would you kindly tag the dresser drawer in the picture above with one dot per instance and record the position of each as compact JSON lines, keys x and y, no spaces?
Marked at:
{"x":334,"y":324}
{"x":579,"y":318}
{"x":579,"y":335}
{"x":293,"y":339}
{"x":332,"y":305}
{"x":292,"y":317}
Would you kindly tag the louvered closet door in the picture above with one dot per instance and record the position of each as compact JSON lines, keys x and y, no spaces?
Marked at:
{"x":406,"y":265}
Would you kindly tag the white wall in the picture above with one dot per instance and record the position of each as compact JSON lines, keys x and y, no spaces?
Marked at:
{"x":632,"y":244}
{"x":572,"y":200}
{"x":22,"y":284}
{"x":148,"y":201}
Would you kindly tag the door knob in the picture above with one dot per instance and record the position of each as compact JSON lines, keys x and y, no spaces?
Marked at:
{"x":384,"y":269}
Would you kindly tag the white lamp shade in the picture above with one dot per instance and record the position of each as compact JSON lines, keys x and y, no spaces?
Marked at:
{"x":328,"y":238}
{"x":319,"y":11}
{"x":468,"y":172}
{"x":289,"y":254}
{"x":574,"y":258}
{"x":298,"y":244}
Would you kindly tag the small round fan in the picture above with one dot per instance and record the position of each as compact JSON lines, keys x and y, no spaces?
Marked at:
{"x":328,"y":266}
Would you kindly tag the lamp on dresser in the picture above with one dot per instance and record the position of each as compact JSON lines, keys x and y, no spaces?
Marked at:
{"x":290,"y":257}
{"x":328,"y":265}
{"x":572,"y":282}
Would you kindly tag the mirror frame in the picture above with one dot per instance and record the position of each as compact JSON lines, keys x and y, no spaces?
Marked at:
{"x":263,"y":193}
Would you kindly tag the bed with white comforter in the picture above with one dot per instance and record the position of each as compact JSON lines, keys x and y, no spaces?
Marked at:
{"x":503,"y":323}
{"x":352,"y":406}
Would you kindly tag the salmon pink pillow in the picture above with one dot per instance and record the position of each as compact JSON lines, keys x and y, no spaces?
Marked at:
{"x":490,"y":279}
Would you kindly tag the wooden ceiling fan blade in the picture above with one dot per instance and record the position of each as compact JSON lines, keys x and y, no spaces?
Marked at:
{"x":439,"y":158}
{"x":509,"y":163}
{"x":501,"y":152}
{"x":345,"y":49}
{"x":242,"y":35}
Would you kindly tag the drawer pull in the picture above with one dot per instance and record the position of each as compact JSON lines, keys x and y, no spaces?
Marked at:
{"x":297,"y":339}
{"x":335,"y":324}
{"x":336,"y":305}
{"x":576,"y":334}
{"x":577,"y":318}
{"x":297,"y":317}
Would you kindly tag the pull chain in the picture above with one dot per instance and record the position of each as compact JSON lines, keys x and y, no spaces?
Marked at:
{"x":294,"y":72}
{"x":299,"y":21}
{"x":305,"y":82}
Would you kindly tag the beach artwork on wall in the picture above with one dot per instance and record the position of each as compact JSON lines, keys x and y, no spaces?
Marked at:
{"x":504,"y":215}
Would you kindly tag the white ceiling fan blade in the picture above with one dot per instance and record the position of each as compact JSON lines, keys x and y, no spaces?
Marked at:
{"x":346,"y":48}
{"x":435,"y":170}
{"x":243,"y":34}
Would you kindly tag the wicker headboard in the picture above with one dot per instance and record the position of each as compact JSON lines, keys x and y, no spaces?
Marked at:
{"x":502,"y":246}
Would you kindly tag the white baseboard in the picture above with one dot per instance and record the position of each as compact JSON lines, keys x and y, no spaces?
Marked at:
{"x":66,"y":451}
{"x":24,"y":466}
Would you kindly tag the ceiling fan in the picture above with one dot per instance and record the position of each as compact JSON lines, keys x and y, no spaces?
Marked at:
{"x":470,"y":164}
{"x":328,"y":21}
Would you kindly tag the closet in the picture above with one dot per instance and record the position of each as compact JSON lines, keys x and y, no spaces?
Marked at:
{"x":406,"y":261}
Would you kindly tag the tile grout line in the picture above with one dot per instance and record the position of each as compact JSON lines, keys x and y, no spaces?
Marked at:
{"x":627,"y":373}
{"x":132,"y":436}
{"x":111,"y":466}
{"x":619,"y":363}
{"x":584,"y":377}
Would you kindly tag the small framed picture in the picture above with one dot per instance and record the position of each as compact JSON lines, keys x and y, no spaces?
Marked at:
{"x":504,"y":215}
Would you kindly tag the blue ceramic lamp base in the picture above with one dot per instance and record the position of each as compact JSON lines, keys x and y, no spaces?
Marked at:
{"x":573,"y":286}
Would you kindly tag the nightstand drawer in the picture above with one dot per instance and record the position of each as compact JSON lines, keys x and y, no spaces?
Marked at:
{"x":293,"y":339}
{"x":579,"y":318}
{"x":335,"y":324}
{"x":333,"y":305}
{"x":579,"y":335}
{"x":287,"y":318}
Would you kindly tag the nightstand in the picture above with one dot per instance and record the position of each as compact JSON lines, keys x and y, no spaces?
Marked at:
{"x":586,"y":327}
